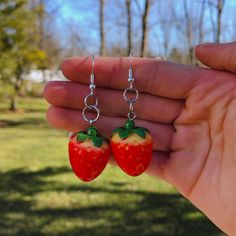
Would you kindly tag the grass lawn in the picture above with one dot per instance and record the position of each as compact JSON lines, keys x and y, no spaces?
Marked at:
{"x":39,"y":194}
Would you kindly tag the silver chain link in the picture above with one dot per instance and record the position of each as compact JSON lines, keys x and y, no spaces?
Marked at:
{"x":88,"y":105}
{"x":131,"y":99}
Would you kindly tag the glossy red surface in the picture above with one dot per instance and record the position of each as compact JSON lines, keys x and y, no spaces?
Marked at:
{"x":132,"y":159}
{"x":87,"y":162}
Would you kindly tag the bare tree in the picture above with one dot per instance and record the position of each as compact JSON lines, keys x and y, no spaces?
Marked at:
{"x":129,"y":27}
{"x":189,"y":31}
{"x":212,"y":18}
{"x":41,"y":16}
{"x":101,"y":25}
{"x":164,"y":20}
{"x":216,"y":20}
{"x":201,"y":21}
{"x":220,"y":5}
{"x":144,"y":38}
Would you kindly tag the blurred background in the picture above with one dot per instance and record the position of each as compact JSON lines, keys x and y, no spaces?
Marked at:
{"x":39,"y":195}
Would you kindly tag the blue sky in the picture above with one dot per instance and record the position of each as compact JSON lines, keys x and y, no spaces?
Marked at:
{"x":82,"y":17}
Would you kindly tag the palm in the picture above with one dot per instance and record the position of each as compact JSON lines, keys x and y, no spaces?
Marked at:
{"x":202,"y":162}
{"x":189,"y":110}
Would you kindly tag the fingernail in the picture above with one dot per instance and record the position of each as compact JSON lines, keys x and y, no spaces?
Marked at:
{"x":70,"y":134}
{"x":68,"y":58}
{"x":205,"y":44}
{"x":208,"y":43}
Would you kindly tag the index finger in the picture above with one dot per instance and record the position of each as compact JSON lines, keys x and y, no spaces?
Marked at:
{"x":218,"y":56}
{"x":151,"y":76}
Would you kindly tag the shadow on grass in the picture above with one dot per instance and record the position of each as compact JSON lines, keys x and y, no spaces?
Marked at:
{"x":23,"y":110}
{"x":26,"y":121}
{"x":132,"y":212}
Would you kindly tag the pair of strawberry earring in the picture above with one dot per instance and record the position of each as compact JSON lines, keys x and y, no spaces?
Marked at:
{"x":131,"y":146}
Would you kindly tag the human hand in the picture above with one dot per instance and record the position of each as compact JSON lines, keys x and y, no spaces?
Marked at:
{"x":190,"y":112}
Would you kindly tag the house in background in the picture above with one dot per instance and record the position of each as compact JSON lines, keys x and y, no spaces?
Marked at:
{"x":41,"y":76}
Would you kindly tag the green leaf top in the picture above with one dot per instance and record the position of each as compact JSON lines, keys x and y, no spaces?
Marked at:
{"x":92,"y":134}
{"x":141,"y":132}
{"x":116,"y":130}
{"x":130,"y":128}
{"x":97,"y":141}
{"x":124,"y":133}
{"x":129,"y":124}
{"x":81,"y":136}
{"x":92,"y":130}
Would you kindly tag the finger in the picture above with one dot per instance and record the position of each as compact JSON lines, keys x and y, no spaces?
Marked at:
{"x":151,"y":75}
{"x":218,"y":56}
{"x":148,"y":107}
{"x":72,"y":120}
{"x":157,"y":165}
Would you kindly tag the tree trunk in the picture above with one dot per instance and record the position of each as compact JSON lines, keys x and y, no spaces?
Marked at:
{"x":188,"y":23}
{"x":129,"y":28}
{"x":13,"y":103}
{"x":220,"y":5}
{"x":13,"y":106}
{"x":17,"y":85}
{"x":41,"y":16}
{"x":212,"y":19}
{"x":201,"y":22}
{"x":144,"y":42}
{"x":101,"y":23}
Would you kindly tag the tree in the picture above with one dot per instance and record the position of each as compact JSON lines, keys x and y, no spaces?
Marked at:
{"x":220,"y":5}
{"x":201,"y":21}
{"x":101,"y":26}
{"x":144,"y":38}
{"x":18,"y":44}
{"x":189,"y":32}
{"x":165,"y":16}
{"x":129,"y":28}
{"x":216,"y":6}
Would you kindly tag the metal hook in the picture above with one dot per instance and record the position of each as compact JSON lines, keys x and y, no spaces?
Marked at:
{"x":131,"y":100}
{"x":92,"y":105}
{"x":130,"y":59}
{"x":93,"y":61}
{"x":130,"y":79}
{"x":92,"y":73}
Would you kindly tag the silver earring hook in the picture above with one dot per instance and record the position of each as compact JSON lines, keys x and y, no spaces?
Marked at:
{"x":130,"y":78}
{"x":130,"y":59}
{"x":131,"y":90}
{"x":92,"y":73}
{"x":93,"y":62}
{"x":93,"y":103}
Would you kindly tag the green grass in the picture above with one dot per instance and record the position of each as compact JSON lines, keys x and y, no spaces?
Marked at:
{"x":39,"y":194}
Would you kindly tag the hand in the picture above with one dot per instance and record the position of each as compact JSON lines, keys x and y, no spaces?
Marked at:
{"x":191,"y":114}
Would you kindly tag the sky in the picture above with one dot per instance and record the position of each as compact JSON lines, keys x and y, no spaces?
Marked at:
{"x":81,"y":16}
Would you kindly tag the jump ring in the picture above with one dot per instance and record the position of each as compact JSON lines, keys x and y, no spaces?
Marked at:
{"x":91,"y":107}
{"x":131,"y":107}
{"x":131,"y":115}
{"x":92,"y":95}
{"x":130,"y":89}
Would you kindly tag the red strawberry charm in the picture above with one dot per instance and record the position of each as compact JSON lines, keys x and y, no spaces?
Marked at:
{"x":89,"y":153}
{"x":132,"y":148}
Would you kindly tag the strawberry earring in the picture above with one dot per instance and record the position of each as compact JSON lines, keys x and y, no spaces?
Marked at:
{"x":131,"y":145}
{"x":88,"y":151}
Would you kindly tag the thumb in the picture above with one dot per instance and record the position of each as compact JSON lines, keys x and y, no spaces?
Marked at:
{"x":217,"y":56}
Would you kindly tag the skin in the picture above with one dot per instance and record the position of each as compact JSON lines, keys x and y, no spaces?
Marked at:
{"x":190,"y":111}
